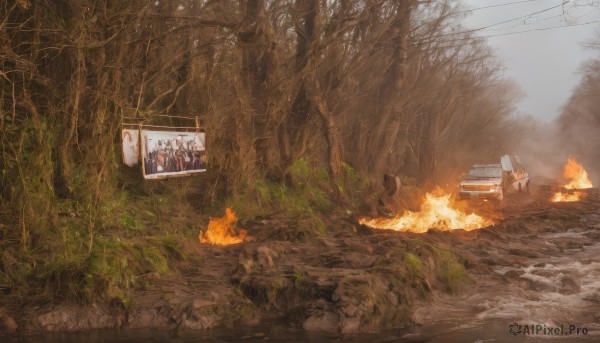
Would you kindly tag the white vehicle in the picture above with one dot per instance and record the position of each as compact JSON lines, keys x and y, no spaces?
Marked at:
{"x":493,"y":181}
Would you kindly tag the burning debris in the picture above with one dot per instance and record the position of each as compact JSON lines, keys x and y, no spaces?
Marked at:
{"x":578,"y":176}
{"x":435,"y":213}
{"x":566,"y":197}
{"x":578,"y":179}
{"x":221,"y":231}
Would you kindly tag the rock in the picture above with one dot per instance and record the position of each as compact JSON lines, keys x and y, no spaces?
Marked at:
{"x":70,"y":317}
{"x":569,"y":286}
{"x":363,"y":302}
{"x":593,"y":235}
{"x":358,"y":260}
{"x":119,"y":312}
{"x":7,"y":323}
{"x":265,"y":257}
{"x":200,"y":315}
{"x":198,"y":303}
{"x":326,"y":321}
{"x":142,"y":318}
{"x":364,"y":230}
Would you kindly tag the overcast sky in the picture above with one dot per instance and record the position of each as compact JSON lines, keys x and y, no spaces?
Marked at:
{"x":543,"y":63}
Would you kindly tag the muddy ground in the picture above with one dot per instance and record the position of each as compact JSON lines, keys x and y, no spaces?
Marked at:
{"x":540,"y":262}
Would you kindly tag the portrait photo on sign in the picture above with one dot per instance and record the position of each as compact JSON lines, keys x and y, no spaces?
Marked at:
{"x":172,"y":153}
{"x":131,"y":148}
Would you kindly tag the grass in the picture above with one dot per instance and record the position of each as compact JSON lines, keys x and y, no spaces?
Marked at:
{"x":413,"y":264}
{"x":89,"y":252}
{"x":450,"y":269}
{"x":308,"y":192}
{"x":76,"y":263}
{"x":419,"y":263}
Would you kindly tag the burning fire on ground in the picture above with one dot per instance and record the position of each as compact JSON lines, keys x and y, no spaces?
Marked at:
{"x":435,"y":213}
{"x":221,"y":231}
{"x":578,"y":179}
{"x":566,"y":197}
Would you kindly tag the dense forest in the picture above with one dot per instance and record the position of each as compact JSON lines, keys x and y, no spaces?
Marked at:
{"x":348,"y":89}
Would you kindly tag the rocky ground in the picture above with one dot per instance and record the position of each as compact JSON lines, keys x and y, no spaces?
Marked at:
{"x":539,"y":261}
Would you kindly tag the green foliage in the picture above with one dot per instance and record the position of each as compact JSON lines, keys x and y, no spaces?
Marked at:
{"x":174,"y":248}
{"x":298,"y":278}
{"x":302,"y":228}
{"x":66,"y":270}
{"x":413,"y":264}
{"x":356,"y":190}
{"x":300,"y":172}
{"x":450,"y":269}
{"x":308,"y":192}
{"x":151,"y":258}
{"x":128,"y":221}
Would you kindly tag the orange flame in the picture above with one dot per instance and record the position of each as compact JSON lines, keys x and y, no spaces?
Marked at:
{"x":578,"y":180}
{"x":578,"y":176}
{"x":566,"y":197}
{"x":435,"y":213}
{"x":221,"y":231}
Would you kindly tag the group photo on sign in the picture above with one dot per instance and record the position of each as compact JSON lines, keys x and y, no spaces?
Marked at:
{"x":172,"y":153}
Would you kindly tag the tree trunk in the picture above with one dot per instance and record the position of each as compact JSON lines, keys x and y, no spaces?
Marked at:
{"x":293,"y":133}
{"x":389,"y":99}
{"x":332,"y":138}
{"x":258,"y":65}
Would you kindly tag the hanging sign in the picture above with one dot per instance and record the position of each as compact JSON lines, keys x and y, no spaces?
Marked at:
{"x":172,"y":153}
{"x":131,"y":147}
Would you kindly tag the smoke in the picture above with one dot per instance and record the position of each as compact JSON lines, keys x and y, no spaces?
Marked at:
{"x":541,"y":150}
{"x":579,"y":124}
{"x":545,"y":147}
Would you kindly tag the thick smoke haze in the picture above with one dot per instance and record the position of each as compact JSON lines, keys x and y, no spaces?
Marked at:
{"x":541,"y":151}
{"x":545,"y":148}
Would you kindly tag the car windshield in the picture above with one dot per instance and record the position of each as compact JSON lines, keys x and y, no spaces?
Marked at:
{"x":485,"y":172}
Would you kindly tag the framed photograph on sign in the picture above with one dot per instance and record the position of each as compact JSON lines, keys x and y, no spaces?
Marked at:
{"x":131,"y":148}
{"x":172,"y":153}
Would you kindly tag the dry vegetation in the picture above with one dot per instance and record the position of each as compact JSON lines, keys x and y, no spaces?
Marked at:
{"x":350,"y":88}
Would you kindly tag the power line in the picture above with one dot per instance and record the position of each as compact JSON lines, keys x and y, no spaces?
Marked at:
{"x":528,"y":23}
{"x":500,"y":5}
{"x":540,"y":29}
{"x":502,"y":22}
{"x":506,"y":21}
{"x":476,"y":39}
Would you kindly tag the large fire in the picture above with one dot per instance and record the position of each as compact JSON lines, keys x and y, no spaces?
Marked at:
{"x":577,"y":175}
{"x":221,"y":231}
{"x":578,"y":179}
{"x":435,"y":213}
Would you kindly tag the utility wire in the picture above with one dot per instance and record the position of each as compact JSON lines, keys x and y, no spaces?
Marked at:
{"x":500,"y":5}
{"x":521,"y":24}
{"x":540,"y":29}
{"x":477,"y":39}
{"x":502,"y":22}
